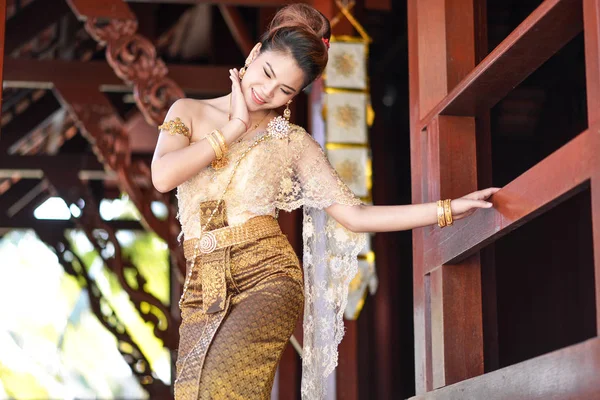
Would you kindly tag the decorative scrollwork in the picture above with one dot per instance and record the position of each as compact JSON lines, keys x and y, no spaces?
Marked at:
{"x":104,"y":240}
{"x":134,"y":59}
{"x":128,"y":348}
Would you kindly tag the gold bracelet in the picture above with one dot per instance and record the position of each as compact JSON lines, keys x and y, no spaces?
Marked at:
{"x":221,"y":140}
{"x":215,"y":146}
{"x":448,"y":212}
{"x":440,"y":214}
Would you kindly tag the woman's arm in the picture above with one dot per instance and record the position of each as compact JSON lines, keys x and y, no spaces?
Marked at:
{"x":404,"y":217}
{"x":175,"y":159}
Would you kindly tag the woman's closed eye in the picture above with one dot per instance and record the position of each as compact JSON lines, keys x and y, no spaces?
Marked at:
{"x":269,"y":76}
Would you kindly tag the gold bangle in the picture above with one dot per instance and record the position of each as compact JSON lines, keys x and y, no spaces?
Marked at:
{"x":221,"y":139}
{"x":440,"y":214}
{"x":215,"y":146}
{"x":448,"y":212}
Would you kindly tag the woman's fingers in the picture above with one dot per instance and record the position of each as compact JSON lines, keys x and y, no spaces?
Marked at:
{"x":482,"y":194}
{"x":489,"y":192}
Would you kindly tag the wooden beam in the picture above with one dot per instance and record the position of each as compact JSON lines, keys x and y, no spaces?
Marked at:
{"x":25,"y":122}
{"x":25,"y":222}
{"x":238,"y":28}
{"x":553,"y":24}
{"x":569,"y":373}
{"x":58,"y":162}
{"x":31,"y":20}
{"x":245,"y":3}
{"x":101,"y":9}
{"x":591,"y":22}
{"x":205,"y":80}
{"x":17,"y":191}
{"x":33,"y":166}
{"x":558,"y":177}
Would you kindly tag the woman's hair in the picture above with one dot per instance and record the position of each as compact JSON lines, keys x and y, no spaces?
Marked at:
{"x":299,"y":30}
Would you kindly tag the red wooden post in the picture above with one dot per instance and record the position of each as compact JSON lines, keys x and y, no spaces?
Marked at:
{"x":591,"y":22}
{"x":442,"y":50}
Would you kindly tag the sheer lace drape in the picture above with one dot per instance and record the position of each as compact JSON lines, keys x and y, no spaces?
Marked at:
{"x":287,"y":174}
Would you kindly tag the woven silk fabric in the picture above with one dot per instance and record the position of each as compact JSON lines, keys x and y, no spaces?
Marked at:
{"x":233,"y":353}
{"x":285,"y":174}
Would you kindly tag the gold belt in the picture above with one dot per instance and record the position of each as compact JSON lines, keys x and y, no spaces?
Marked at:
{"x":214,"y":245}
{"x":253,"y":229}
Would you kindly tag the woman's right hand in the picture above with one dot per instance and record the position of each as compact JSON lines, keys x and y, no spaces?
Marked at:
{"x":238,"y":103}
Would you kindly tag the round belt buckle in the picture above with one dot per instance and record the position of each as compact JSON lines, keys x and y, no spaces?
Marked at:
{"x":208,"y":243}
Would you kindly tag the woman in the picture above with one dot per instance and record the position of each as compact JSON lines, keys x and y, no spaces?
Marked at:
{"x":235,"y":163}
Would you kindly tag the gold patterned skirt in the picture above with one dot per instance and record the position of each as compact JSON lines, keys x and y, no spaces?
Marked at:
{"x":238,"y":313}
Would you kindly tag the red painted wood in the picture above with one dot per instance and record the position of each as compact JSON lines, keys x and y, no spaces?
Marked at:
{"x":548,"y":183}
{"x":246,"y":3}
{"x":347,"y":378}
{"x":237,"y":26}
{"x":457,"y":156}
{"x":208,"y":80}
{"x":444,"y":164}
{"x":591,"y":22}
{"x":422,"y":379}
{"x":569,"y":373}
{"x":32,"y":20}
{"x":545,"y":31}
{"x":457,"y":336}
{"x":116,"y":9}
{"x":445,"y":48}
{"x":432,"y":54}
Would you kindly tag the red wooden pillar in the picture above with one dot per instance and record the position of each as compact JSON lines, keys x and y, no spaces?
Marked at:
{"x":591,"y":24}
{"x":448,"y":333}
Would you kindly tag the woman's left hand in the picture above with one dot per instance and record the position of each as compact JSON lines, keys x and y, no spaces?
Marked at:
{"x":467,"y":205}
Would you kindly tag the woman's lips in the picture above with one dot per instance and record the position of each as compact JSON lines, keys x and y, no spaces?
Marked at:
{"x":256,"y":98}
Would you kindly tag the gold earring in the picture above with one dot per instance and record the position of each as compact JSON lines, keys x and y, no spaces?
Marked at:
{"x":243,"y":70}
{"x":287,"y":113}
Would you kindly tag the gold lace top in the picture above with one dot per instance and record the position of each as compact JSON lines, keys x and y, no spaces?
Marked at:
{"x":286,"y":174}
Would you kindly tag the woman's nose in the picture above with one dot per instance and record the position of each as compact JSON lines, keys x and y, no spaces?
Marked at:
{"x":270,"y":89}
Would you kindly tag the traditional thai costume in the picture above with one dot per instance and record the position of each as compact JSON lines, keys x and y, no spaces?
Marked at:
{"x":244,"y":287}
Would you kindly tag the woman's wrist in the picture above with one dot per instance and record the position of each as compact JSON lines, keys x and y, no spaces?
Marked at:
{"x":242,"y":122}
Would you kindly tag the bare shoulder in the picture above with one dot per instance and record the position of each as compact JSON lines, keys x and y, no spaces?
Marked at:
{"x":201,"y":116}
{"x":185,"y":108}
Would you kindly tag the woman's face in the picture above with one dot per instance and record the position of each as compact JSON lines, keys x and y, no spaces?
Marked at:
{"x":271,"y":80}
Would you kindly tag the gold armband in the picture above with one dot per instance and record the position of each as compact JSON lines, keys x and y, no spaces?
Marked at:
{"x":448,"y":212}
{"x":444,"y":213}
{"x":176,"y":127}
{"x":440,"y":214}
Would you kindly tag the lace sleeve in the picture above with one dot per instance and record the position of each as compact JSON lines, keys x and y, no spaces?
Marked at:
{"x":329,"y":256}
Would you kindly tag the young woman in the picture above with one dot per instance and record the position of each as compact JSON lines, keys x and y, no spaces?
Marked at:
{"x":235,"y":163}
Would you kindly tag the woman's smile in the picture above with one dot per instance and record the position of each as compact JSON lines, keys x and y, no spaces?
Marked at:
{"x":257,"y":99}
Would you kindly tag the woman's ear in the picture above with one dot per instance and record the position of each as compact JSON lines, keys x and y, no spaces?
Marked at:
{"x":253,"y":53}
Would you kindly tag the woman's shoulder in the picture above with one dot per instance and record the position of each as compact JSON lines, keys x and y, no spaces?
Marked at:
{"x":300,"y":135}
{"x":201,"y":114}
{"x":297,"y":132}
{"x":188,"y":106}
